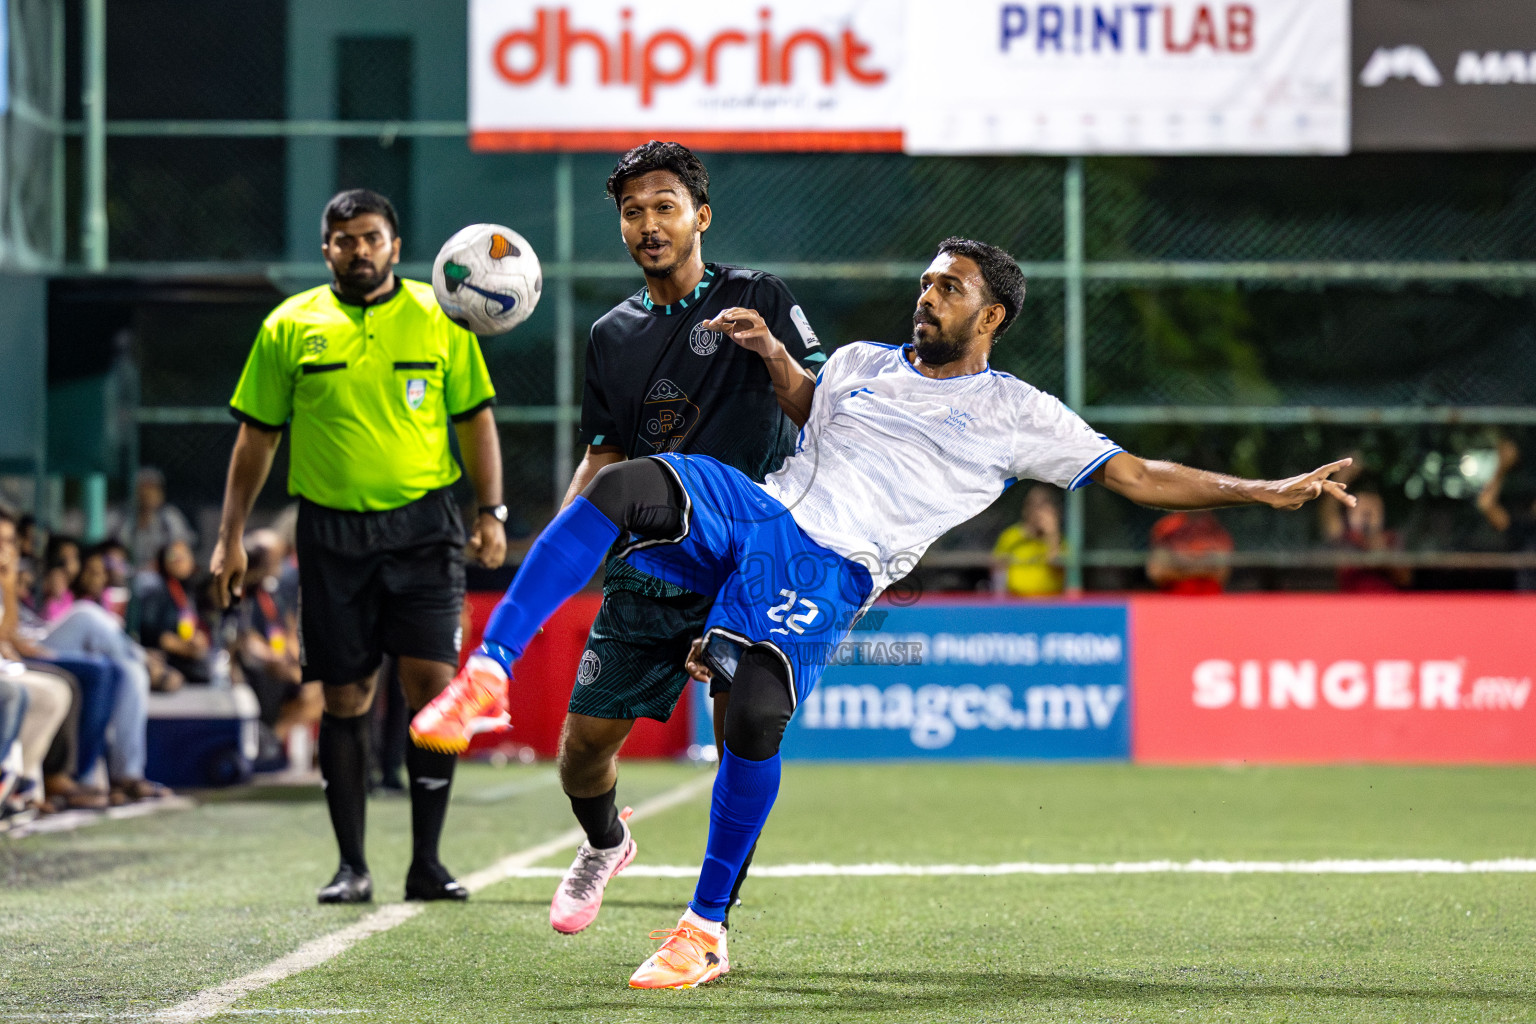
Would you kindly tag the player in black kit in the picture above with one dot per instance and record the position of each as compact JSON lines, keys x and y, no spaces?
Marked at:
{"x":662,"y":376}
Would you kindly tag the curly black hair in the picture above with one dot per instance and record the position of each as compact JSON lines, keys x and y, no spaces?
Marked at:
{"x":672,"y":157}
{"x":1000,"y":271}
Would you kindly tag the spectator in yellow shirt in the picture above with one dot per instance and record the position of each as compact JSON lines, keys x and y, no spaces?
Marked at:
{"x":1026,"y":561}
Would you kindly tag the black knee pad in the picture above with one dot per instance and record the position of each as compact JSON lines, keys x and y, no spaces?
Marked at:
{"x":640,"y":497}
{"x":760,"y":706}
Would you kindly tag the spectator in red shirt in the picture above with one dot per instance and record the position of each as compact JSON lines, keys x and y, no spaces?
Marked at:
{"x":1182,"y":542}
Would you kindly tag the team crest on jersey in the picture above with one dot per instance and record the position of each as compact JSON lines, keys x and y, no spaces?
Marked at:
{"x":703,"y":341}
{"x":666,"y":417}
{"x":590,"y":666}
{"x":415,"y":392}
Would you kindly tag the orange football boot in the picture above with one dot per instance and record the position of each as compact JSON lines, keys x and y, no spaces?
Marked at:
{"x":475,"y":702}
{"x":689,"y":956}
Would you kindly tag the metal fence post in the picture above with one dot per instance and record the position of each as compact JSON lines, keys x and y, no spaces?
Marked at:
{"x":93,"y":97}
{"x":1072,"y":346}
{"x":565,"y":323}
{"x":56,"y":89}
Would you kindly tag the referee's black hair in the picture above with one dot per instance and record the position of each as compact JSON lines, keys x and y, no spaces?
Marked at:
{"x":1000,"y":271}
{"x":354,"y":202}
{"x":672,"y":157}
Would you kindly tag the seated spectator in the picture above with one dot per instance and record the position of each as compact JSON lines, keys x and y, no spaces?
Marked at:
{"x":26,"y":536}
{"x":156,"y":523}
{"x":1517,"y":526}
{"x":169,"y":620}
{"x":1185,"y":556}
{"x":89,"y":629}
{"x":61,"y":566}
{"x":1026,"y":561}
{"x":118,"y":597}
{"x":1364,"y":528}
{"x":13,"y":709}
{"x":88,"y":708}
{"x":48,"y":701}
{"x":268,"y":648}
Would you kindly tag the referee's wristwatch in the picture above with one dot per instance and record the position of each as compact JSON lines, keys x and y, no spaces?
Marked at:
{"x":496,"y":512}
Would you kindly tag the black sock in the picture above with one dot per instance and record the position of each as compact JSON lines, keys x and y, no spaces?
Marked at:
{"x":343,"y":756}
{"x":600,"y":818}
{"x":741,"y":876}
{"x":431,"y":778}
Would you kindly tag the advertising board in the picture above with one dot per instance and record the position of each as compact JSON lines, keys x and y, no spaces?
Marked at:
{"x":1396,"y":678}
{"x":1456,"y":74}
{"x":781,"y":74}
{"x":973,"y":680}
{"x":1098,"y":76}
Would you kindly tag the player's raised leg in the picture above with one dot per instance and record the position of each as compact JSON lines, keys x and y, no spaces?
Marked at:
{"x":636,"y":497}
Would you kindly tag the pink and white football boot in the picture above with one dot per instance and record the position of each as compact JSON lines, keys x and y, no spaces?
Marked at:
{"x":580,"y":895}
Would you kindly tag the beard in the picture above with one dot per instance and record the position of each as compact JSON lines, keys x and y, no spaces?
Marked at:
{"x":683,"y":256}
{"x":360,"y":277}
{"x":947,"y":344}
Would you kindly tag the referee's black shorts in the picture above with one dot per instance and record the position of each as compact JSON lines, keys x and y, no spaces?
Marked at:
{"x":372,"y":583}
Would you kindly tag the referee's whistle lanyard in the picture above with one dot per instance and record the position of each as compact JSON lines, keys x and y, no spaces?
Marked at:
{"x":187,"y":625}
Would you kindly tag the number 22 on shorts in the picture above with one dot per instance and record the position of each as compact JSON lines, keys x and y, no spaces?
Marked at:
{"x":799,"y":620}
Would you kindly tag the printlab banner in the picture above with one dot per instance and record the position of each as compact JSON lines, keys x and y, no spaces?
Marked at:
{"x":1176,"y":76}
{"x":593,"y":74}
{"x":1455,"y":74}
{"x":1397,"y":678}
{"x":973,"y":681}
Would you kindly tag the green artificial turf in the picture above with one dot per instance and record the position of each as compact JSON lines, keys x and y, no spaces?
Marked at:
{"x":136,"y":915}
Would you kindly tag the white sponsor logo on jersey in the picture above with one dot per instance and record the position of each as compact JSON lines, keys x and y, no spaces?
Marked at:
{"x":808,"y":336}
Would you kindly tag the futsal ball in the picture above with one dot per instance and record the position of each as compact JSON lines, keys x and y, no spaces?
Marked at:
{"x":487,"y":278}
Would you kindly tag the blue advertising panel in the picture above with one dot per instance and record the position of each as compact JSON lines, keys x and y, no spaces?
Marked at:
{"x":971,"y":680}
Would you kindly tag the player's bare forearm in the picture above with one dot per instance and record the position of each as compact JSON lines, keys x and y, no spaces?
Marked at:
{"x":793,"y":385}
{"x":596,"y":458}
{"x":249,"y":465}
{"x":481,"y":450}
{"x":1168,"y":485}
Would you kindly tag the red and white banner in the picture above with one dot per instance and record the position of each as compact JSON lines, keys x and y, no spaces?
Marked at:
{"x":1396,"y":678}
{"x":770,"y":75}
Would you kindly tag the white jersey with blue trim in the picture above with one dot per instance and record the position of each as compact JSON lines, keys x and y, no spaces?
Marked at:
{"x":889,"y":460}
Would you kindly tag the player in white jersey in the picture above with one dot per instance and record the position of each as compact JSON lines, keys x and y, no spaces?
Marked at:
{"x":900,"y":445}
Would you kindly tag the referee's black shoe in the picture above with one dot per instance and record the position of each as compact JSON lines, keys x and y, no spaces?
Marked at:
{"x":349,"y":886}
{"x":429,"y":880}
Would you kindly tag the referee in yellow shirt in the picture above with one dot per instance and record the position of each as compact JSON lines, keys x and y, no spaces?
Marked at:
{"x":368,"y":372}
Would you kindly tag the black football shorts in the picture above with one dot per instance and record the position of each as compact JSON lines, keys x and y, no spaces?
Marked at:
{"x":372,"y":583}
{"x":633,"y":663}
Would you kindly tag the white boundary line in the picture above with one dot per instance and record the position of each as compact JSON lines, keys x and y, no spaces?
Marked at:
{"x":213,"y":1001}
{"x":1508,"y":865}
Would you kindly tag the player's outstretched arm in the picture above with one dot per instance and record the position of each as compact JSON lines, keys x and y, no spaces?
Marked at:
{"x":1172,"y":486}
{"x":793,"y":384}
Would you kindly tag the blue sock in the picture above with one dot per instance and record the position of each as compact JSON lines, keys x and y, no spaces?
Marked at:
{"x":744,"y":794}
{"x":565,"y":556}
